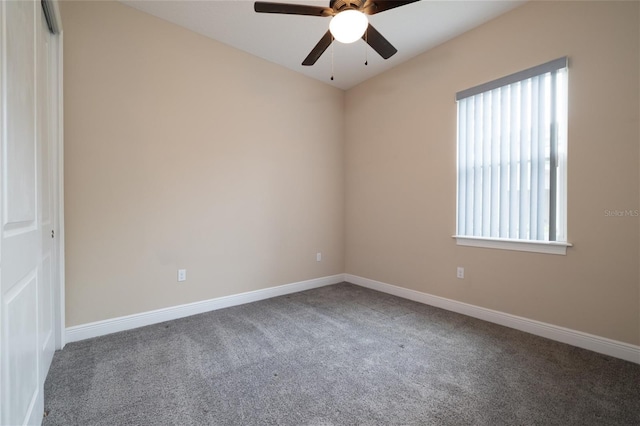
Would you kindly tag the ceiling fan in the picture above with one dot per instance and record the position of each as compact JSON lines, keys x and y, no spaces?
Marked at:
{"x":348,"y":23}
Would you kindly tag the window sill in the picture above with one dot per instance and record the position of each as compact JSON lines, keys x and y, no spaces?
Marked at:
{"x":547,"y":247}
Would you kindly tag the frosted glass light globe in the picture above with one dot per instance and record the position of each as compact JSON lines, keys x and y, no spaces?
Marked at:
{"x":348,"y":26}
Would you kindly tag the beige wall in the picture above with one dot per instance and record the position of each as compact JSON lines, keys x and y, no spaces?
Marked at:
{"x":181,"y":152}
{"x":401,"y":170}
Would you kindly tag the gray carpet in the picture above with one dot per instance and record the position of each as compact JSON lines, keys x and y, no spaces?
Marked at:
{"x":337,"y":355}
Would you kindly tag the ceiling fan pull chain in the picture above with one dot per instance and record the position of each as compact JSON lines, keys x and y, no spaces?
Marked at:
{"x":366,"y":43}
{"x":332,"y":57}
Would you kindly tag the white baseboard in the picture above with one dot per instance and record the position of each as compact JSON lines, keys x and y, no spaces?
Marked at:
{"x":591,"y":342}
{"x":113,"y":325}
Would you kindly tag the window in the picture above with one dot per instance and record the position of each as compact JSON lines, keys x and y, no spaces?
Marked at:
{"x":512,"y":155}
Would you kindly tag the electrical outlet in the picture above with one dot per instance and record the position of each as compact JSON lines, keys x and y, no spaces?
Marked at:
{"x":182,"y":274}
{"x":460,"y":272}
{"x":318,"y":257}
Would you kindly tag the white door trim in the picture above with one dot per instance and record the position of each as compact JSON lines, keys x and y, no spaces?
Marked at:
{"x":52,"y":12}
{"x":3,"y":128}
{"x":59,"y":108}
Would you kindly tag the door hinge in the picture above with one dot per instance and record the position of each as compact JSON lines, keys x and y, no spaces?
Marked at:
{"x":52,"y":234}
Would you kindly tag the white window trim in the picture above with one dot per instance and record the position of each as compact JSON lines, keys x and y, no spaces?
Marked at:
{"x":546,"y":247}
{"x":536,"y":246}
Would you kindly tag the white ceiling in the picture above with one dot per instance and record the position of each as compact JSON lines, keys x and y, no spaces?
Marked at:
{"x":288,"y":39}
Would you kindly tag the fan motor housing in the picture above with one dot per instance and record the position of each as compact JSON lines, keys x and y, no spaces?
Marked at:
{"x":340,"y":5}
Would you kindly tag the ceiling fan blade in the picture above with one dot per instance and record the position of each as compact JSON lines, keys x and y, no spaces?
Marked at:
{"x":317,"y":51}
{"x":376,"y":6}
{"x":379,"y":43}
{"x":291,"y":9}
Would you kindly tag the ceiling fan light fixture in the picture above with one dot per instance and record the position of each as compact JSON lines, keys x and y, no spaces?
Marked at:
{"x":348,"y":26}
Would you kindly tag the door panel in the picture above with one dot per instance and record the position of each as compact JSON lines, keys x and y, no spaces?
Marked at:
{"x":45,"y":317}
{"x":22,"y":350}
{"x":19,"y":160}
{"x":21,"y":238}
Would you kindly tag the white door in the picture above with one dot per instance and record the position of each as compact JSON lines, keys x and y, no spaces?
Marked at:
{"x":28,"y":255}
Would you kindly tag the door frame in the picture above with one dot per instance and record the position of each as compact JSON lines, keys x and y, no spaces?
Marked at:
{"x":52,"y":13}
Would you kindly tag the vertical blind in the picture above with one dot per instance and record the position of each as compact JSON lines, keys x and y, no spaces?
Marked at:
{"x":512,"y":156}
